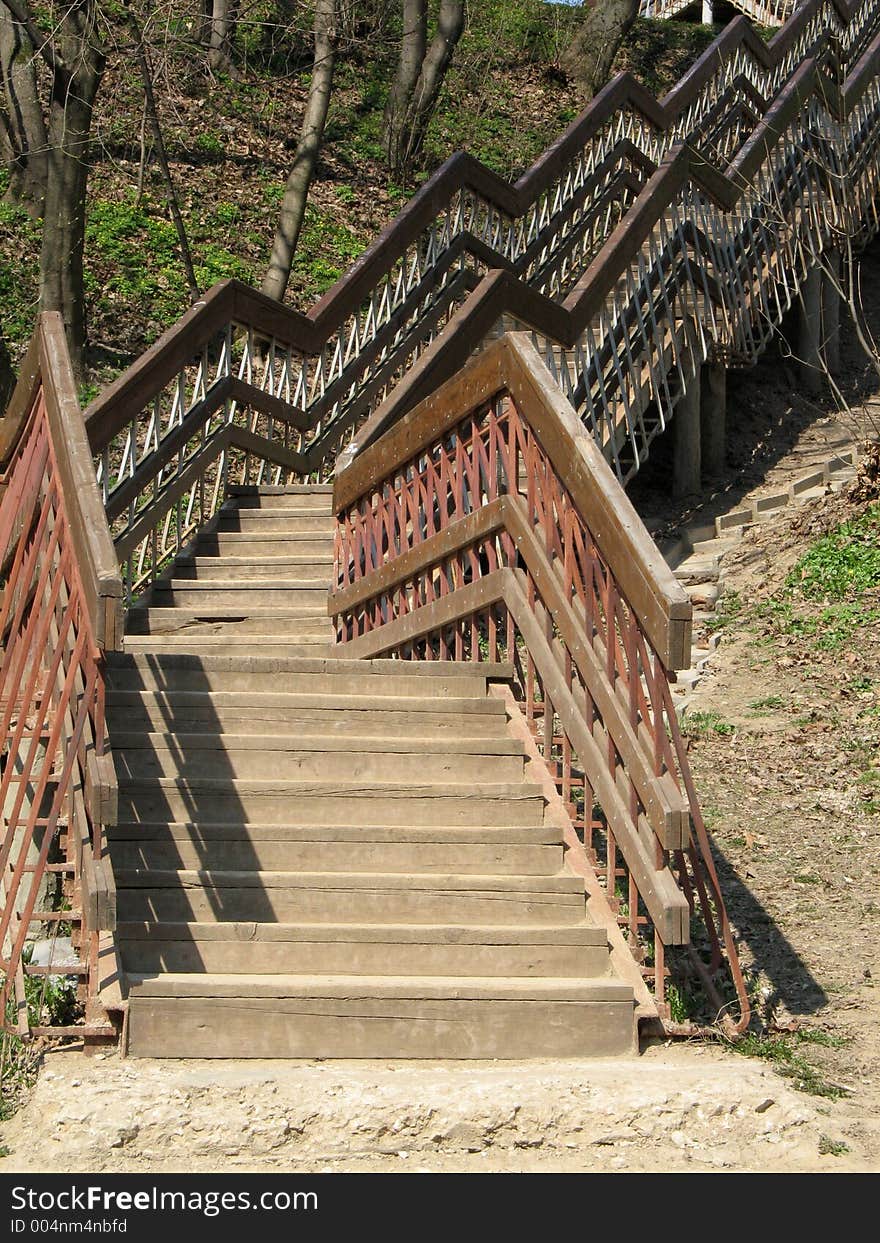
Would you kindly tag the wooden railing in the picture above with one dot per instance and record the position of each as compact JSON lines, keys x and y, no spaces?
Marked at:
{"x":764,"y":12}
{"x":61,"y":611}
{"x":487,"y":526}
{"x":651,"y":234}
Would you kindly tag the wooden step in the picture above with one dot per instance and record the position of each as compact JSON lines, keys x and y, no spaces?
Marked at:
{"x":222,"y":568}
{"x":266,"y":756}
{"x":265,"y":544}
{"x":205,"y":1015}
{"x":189,"y":850}
{"x":350,"y":833}
{"x":225,"y":594}
{"x":329,"y":802}
{"x":304,"y":645}
{"x":567,"y":950}
{"x":309,"y":497}
{"x":255,"y":673}
{"x":326,"y":897}
{"x":233,"y":620}
{"x":305,"y":714}
{"x":258,"y":521}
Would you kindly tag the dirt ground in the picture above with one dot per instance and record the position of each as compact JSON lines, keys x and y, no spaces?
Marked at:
{"x":784,"y":769}
{"x":672,"y":1108}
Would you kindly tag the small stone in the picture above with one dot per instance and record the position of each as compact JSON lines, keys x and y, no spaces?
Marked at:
{"x":764,"y":1105}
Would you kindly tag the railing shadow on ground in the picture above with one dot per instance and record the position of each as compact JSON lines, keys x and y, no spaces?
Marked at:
{"x":770,"y":952}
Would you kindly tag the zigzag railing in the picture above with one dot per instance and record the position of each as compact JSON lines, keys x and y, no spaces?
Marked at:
{"x":763,"y":12}
{"x":61,"y":611}
{"x":624,"y":318}
{"x":704,"y":263}
{"x":487,"y":526}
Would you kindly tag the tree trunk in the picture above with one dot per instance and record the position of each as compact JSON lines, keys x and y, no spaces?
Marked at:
{"x":412,"y":107}
{"x":22,"y":128}
{"x":151,"y":113}
{"x":70,"y":119}
{"x":219,"y":53}
{"x":413,"y":44}
{"x":592,"y":51}
{"x":293,"y":205}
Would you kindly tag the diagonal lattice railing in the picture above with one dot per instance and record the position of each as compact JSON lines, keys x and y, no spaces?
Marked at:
{"x":61,"y":610}
{"x":763,"y":12}
{"x":486,"y":526}
{"x":641,"y":241}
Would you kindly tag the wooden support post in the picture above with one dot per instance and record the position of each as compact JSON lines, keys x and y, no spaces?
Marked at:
{"x":686,"y":442}
{"x":708,"y":12}
{"x":713,"y":418}
{"x":809,"y":332}
{"x":831,"y":312}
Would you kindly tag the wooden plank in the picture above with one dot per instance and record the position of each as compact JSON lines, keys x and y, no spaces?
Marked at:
{"x":403,"y":568}
{"x":461,"y":603}
{"x":664,"y":900}
{"x":662,"y":606}
{"x":665,"y":807}
{"x":95,"y":556}
{"x":101,"y":789}
{"x":21,"y":403}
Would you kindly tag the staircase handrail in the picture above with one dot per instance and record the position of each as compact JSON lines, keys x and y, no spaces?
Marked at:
{"x":61,"y":612}
{"x":486,"y":525}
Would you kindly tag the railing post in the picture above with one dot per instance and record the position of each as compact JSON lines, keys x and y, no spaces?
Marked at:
{"x":809,"y":331}
{"x":713,"y":418}
{"x":686,"y":442}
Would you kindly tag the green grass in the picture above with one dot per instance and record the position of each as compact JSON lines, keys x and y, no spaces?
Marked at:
{"x":827,"y":597}
{"x":831,"y":1147}
{"x":700,"y":724}
{"x":20,"y":244}
{"x":771,"y":701}
{"x":785,"y":1054}
{"x":727,"y":611}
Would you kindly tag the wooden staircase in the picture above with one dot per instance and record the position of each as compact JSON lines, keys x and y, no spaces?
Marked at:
{"x":318,"y":857}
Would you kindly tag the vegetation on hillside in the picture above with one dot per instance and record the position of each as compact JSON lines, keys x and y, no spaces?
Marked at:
{"x":230,"y":138}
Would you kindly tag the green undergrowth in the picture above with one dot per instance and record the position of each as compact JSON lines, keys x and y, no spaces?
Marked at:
{"x":51,"y":1002}
{"x":699,"y":724}
{"x":231,"y":142}
{"x":786,"y":1054}
{"x":832,"y":592}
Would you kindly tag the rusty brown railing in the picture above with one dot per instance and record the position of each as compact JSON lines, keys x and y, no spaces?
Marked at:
{"x":487,"y":526}
{"x":61,"y":611}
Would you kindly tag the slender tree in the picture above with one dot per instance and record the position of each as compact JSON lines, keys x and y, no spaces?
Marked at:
{"x":151,"y":115}
{"x":293,"y":205}
{"x":220,"y":35}
{"x":74,"y":58}
{"x":23,"y":138}
{"x":591,"y":52}
{"x":421,"y":69}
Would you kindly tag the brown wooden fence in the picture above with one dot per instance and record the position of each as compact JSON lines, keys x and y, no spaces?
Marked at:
{"x":61,"y":611}
{"x":486,"y":526}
